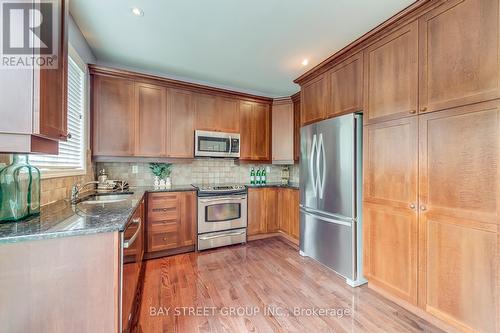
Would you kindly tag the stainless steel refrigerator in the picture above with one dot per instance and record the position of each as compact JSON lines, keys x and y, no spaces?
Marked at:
{"x":330,"y":194}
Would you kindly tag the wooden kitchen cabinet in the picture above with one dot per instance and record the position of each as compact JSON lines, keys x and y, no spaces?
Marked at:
{"x":288,"y":211}
{"x":314,"y":96}
{"x":390,"y":200}
{"x":271,"y":211}
{"x":459,"y":222}
{"x":283,"y":131}
{"x":229,"y":115}
{"x":255,"y":131}
{"x":151,"y":120}
{"x":391,"y":75}
{"x":171,"y":221}
{"x":296,"y":126}
{"x":181,"y":117}
{"x":459,"y":54}
{"x":113,"y":116}
{"x":207,"y":117}
{"x":346,"y":86}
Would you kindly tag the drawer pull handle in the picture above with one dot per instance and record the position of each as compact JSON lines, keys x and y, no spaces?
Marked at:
{"x":162,"y":209}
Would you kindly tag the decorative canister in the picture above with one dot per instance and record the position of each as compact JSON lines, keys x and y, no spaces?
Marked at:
{"x":19,"y":190}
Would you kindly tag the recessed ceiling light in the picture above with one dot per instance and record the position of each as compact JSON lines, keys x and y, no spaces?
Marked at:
{"x":137,"y":11}
{"x":305,"y":62}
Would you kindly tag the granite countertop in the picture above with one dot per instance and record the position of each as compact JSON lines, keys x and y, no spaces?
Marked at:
{"x":61,"y":219}
{"x":289,"y":185}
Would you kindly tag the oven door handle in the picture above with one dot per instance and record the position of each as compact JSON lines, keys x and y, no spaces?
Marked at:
{"x":127,"y":243}
{"x":222,"y":235}
{"x":223,"y":199}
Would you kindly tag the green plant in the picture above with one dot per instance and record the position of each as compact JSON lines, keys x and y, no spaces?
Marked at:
{"x":161,"y":170}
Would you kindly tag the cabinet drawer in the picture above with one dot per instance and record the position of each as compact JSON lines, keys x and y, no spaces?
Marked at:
{"x":164,"y":213}
{"x":159,"y":201}
{"x":162,"y":240}
{"x":164,"y":225}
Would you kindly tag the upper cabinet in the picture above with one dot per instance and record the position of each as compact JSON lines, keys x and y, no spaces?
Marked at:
{"x":296,"y":126}
{"x":113,"y":116}
{"x":282,"y":129}
{"x":255,"y":131}
{"x":391,"y":75}
{"x":315,"y":99}
{"x":34,"y":101}
{"x":346,"y":86}
{"x":180,"y":124}
{"x":459,"y":54}
{"x":138,"y":116}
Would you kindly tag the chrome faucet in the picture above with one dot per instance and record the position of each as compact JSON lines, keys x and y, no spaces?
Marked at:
{"x":77,"y":188}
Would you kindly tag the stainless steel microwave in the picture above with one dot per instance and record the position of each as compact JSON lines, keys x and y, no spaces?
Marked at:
{"x":216,"y":144}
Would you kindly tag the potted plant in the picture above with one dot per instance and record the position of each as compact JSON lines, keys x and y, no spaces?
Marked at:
{"x":162,"y":173}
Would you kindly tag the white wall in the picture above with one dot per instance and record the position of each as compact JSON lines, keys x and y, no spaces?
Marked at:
{"x":79,"y":42}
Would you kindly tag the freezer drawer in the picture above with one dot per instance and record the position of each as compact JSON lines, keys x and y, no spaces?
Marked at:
{"x":329,"y":241}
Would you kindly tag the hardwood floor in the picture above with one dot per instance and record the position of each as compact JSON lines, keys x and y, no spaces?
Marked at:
{"x":264,"y":274}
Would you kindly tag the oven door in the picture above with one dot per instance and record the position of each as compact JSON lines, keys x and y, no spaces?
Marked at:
{"x":216,"y":144}
{"x":222,"y":213}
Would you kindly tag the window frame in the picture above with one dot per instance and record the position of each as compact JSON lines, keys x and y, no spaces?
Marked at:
{"x":54,"y":172}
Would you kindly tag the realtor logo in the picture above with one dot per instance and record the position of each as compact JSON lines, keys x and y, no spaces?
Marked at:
{"x":29,"y":37}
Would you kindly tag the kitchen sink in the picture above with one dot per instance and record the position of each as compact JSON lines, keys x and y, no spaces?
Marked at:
{"x":106,"y":198}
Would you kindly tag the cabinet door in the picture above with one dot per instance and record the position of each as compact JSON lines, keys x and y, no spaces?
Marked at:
{"x":113,"y":116}
{"x":282,"y":131}
{"x":246,"y":130}
{"x":314,"y":97}
{"x":296,"y":130}
{"x":261,"y":144}
{"x":459,"y":219}
{"x":256,"y":210}
{"x":459,"y":54}
{"x":151,"y":120}
{"x":295,"y":215}
{"x":389,"y":208}
{"x":288,"y":211}
{"x":180,"y":124}
{"x":188,"y":218}
{"x":54,"y":82}
{"x":207,"y":117}
{"x":346,"y":86}
{"x":271,"y":209}
{"x":391,"y":76}
{"x":229,"y":115}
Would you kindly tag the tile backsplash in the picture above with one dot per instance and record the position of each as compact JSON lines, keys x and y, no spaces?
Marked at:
{"x":199,"y":171}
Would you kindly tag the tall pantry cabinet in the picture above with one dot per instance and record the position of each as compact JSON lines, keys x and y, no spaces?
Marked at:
{"x":429,"y":83}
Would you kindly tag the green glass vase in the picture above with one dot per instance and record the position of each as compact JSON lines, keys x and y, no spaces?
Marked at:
{"x":19,"y":190}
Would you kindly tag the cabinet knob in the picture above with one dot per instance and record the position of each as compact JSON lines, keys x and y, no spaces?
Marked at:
{"x":423,"y":108}
{"x":423,"y":208}
{"x":165,"y":238}
{"x":412,"y":206}
{"x":67,"y":136}
{"x":413,"y":111}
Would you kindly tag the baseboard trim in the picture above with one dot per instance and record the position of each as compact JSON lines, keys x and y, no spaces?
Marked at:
{"x":171,"y":252}
{"x":414,"y":309}
{"x":289,"y":239}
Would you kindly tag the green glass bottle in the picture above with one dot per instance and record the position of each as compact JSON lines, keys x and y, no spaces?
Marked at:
{"x":19,"y":190}
{"x":252,"y":176}
{"x":257,"y":177}
{"x":263,"y":177}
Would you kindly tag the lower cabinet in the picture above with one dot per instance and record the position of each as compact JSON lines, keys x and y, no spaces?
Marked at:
{"x":171,"y":221}
{"x":272,"y":210}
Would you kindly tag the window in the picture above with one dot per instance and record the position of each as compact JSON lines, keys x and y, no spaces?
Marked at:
{"x":71,"y":159}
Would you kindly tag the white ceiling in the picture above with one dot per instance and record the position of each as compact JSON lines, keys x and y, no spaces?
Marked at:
{"x":253,"y":46}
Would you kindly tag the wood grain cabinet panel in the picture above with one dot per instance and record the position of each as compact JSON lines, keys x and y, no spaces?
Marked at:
{"x":391,"y":76}
{"x":346,"y":86}
{"x":151,"y":120}
{"x":390,"y":229}
{"x":271,"y":210}
{"x":113,"y":116}
{"x":207,"y":117}
{"x":181,"y":118}
{"x":256,"y":211}
{"x":288,"y":211}
{"x":459,"y":219}
{"x":314,"y":96}
{"x":296,"y":128}
{"x":255,"y":131}
{"x":282,"y":131}
{"x":459,"y":54}
{"x":229,"y":116}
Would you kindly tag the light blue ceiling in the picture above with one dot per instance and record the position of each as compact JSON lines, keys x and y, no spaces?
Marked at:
{"x":246,"y":45}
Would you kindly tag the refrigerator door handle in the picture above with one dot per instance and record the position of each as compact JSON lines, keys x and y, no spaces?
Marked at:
{"x":326,"y":219}
{"x":311,"y":164}
{"x":321,"y":182}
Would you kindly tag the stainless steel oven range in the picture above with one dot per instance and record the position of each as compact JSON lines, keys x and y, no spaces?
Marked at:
{"x":222,"y":215}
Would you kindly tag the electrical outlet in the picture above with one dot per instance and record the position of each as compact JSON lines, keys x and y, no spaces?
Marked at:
{"x":135,"y":168}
